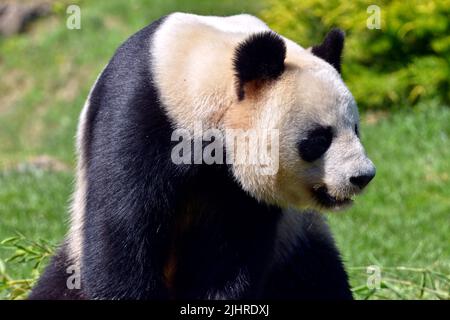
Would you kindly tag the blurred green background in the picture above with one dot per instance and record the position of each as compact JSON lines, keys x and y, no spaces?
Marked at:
{"x":399,"y":74}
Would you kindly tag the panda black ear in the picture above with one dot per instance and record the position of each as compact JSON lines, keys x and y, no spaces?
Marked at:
{"x":330,"y":49}
{"x":259,"y":57}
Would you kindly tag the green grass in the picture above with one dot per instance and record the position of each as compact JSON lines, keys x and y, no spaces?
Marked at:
{"x":402,"y":219}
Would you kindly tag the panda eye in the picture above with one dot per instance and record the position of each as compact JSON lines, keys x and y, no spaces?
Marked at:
{"x":356,"y":130}
{"x":315,"y":144}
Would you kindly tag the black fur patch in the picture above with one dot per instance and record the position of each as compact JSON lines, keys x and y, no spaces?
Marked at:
{"x":331,"y":48}
{"x":315,"y":265}
{"x":260,"y":57}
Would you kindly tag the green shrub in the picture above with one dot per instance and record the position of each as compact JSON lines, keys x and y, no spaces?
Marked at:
{"x":405,"y":61}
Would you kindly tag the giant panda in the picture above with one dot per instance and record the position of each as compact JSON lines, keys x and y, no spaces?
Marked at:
{"x":143,"y":227}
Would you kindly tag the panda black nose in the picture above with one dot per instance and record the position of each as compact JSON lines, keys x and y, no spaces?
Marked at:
{"x":362,"y":180}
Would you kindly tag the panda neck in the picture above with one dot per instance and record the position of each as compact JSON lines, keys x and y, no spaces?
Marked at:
{"x":212,"y":189}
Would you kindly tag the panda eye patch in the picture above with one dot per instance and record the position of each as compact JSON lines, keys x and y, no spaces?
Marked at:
{"x":315,"y":144}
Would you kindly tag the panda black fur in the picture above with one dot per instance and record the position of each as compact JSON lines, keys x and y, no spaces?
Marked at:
{"x":146,"y":228}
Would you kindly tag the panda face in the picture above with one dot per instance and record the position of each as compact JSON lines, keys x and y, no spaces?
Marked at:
{"x":322,"y":163}
{"x":320,"y":141}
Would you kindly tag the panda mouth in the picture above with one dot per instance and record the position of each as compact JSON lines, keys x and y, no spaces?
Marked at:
{"x":325,"y":199}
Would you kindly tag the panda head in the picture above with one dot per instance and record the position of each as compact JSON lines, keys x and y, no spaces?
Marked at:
{"x":300,"y":93}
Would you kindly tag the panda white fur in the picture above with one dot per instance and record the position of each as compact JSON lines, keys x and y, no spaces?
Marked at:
{"x":145,"y":228}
